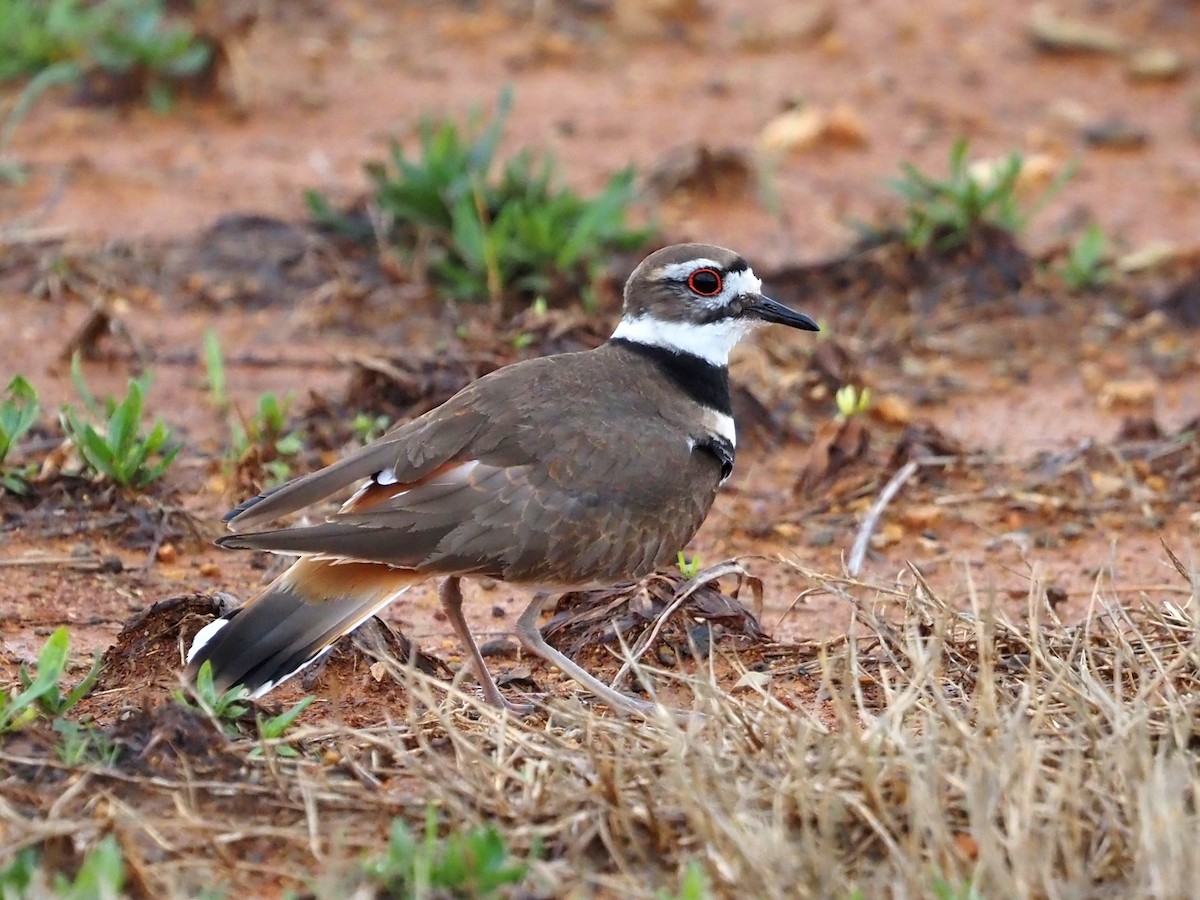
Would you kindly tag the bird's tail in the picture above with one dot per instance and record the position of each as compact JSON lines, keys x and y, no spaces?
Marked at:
{"x":294,"y":621}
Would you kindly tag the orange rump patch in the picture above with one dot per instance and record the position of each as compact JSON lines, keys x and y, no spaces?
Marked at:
{"x":316,"y":580}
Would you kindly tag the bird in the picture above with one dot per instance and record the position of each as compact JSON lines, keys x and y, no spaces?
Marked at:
{"x":569,"y":471}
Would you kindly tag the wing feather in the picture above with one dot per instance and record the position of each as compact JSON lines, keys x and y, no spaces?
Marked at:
{"x":407,"y":455}
{"x":495,"y":482}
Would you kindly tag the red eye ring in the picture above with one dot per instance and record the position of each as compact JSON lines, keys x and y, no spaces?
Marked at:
{"x":705,"y":282}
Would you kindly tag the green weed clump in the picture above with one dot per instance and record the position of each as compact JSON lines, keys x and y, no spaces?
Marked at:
{"x":19,"y":409}
{"x":1087,"y":263}
{"x":226,"y":707}
{"x":368,"y":428}
{"x":118,"y":450}
{"x":42,"y":694}
{"x":113,"y":37}
{"x":229,"y":707}
{"x":473,"y":863}
{"x":260,"y":439}
{"x":486,"y":230}
{"x":943,"y":212}
{"x":265,"y":433}
{"x":101,"y":875}
{"x":83,"y":744}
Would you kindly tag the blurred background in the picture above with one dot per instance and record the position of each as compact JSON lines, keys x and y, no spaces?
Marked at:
{"x":772,"y":125}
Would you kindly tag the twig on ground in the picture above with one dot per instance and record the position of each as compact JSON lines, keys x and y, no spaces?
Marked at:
{"x":78,"y":563}
{"x":859,"y":551}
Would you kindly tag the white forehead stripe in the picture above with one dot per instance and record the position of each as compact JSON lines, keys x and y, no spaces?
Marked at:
{"x":712,"y":342}
{"x":743,"y":282}
{"x":681,"y":271}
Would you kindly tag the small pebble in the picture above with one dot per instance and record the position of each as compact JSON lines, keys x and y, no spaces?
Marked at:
{"x":1052,"y":32}
{"x":1155,"y":64}
{"x":785,"y":25}
{"x":499,"y":647}
{"x":167,"y":554}
{"x":1106,"y":485}
{"x":1116,"y":134}
{"x":210,"y":570}
{"x":1072,"y":531}
{"x":823,"y":538}
{"x":892,"y":410}
{"x":702,"y":638}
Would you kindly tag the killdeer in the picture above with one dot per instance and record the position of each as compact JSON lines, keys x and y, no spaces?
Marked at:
{"x":575,"y":470}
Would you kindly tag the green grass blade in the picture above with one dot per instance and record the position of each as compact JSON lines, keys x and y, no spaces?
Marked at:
{"x":52,"y":661}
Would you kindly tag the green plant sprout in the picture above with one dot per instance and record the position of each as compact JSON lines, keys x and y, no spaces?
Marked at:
{"x":693,"y":885}
{"x":225,"y":706}
{"x":368,"y":428}
{"x":266,"y":431}
{"x":263,"y":431}
{"x":19,"y":409}
{"x":120,"y":452}
{"x":475,"y":863}
{"x":274,"y":727}
{"x":1087,"y":265}
{"x":43,"y":692}
{"x":851,"y":401}
{"x":687,"y":568}
{"x":214,"y":369}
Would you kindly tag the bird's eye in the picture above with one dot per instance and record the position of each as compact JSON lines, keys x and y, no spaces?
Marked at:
{"x":705,"y":282}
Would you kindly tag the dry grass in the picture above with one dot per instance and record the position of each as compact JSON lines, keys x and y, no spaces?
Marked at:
{"x":944,"y":753}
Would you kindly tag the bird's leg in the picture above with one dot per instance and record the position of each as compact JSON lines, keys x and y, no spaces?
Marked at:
{"x":531,"y":637}
{"x":450,"y":595}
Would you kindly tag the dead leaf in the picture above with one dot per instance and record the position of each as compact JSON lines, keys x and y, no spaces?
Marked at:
{"x":891,"y":410}
{"x":837,"y":444}
{"x":754,"y":681}
{"x":796,"y":129}
{"x":1107,"y":485}
{"x":1129,"y":392}
{"x":921,"y":517}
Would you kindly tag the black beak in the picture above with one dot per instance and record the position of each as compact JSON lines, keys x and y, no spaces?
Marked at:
{"x":770,"y":311}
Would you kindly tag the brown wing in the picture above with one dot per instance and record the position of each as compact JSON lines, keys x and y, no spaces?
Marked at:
{"x":588,"y":491}
{"x":406,"y":455}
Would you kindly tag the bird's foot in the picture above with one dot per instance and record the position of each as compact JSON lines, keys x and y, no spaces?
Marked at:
{"x":518,"y":709}
{"x":495,"y":698}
